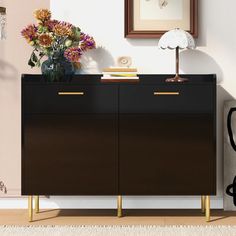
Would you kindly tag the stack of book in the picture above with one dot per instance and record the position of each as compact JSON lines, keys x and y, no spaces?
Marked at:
{"x":118,"y":74}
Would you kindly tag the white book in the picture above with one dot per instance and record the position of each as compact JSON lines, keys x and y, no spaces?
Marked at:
{"x":119,"y":73}
{"x":119,"y":78}
{"x":120,"y":69}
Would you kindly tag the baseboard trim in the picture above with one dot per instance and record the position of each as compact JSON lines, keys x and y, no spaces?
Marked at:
{"x":106,"y":202}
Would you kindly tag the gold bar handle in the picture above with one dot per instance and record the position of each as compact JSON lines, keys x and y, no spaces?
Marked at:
{"x":166,"y":93}
{"x":71,"y":93}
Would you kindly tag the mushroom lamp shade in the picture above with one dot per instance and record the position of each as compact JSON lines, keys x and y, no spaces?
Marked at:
{"x":176,"y":39}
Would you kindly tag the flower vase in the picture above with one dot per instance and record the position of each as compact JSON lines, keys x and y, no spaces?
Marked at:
{"x":57,"y":69}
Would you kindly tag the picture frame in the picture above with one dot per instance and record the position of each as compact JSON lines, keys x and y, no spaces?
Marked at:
{"x":138,"y":23}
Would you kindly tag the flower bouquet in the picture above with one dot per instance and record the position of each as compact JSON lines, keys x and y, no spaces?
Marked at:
{"x":61,"y":42}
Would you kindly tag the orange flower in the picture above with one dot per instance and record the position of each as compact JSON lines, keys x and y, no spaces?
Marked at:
{"x":42,"y":15}
{"x":45,"y":40}
{"x":63,"y":29}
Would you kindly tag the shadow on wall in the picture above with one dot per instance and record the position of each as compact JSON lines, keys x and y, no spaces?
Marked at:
{"x":7,"y":71}
{"x":94,"y":61}
{"x":201,"y":40}
{"x":198,"y":62}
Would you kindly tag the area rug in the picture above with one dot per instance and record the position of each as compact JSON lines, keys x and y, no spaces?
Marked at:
{"x":118,"y":231}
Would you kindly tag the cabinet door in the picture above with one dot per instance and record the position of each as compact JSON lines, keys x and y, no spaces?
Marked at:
{"x":166,"y":150}
{"x":71,"y":152}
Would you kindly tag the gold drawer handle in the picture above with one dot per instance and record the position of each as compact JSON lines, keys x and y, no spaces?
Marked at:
{"x":71,"y":93}
{"x":166,"y":93}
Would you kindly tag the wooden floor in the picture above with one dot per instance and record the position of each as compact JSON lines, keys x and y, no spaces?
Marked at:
{"x":108,"y":217}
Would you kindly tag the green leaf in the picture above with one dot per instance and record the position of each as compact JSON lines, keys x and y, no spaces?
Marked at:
{"x":31,"y":63}
{"x":40,"y":29}
{"x":34,"y":57}
{"x":77,"y":33}
{"x":38,"y":63}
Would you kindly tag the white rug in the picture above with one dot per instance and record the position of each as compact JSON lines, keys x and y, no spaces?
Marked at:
{"x":118,"y":231}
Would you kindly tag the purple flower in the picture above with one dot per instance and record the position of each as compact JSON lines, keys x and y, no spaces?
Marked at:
{"x":30,"y":33}
{"x":50,"y":24}
{"x":86,"y":42}
{"x":73,"y":54}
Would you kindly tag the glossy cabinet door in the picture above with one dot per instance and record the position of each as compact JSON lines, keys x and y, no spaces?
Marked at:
{"x":167,"y":140}
{"x":70,"y":141}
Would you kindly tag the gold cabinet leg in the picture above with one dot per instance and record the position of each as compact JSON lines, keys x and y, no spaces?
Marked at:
{"x":30,"y":208}
{"x":208,"y":213}
{"x":36,"y":204}
{"x":203,"y":203}
{"x":119,"y":206}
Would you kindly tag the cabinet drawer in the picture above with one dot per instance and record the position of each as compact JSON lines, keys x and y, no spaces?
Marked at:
{"x":167,"y":98}
{"x":70,"y":98}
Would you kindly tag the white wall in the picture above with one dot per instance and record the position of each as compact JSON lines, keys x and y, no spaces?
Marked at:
{"x":104,"y":19}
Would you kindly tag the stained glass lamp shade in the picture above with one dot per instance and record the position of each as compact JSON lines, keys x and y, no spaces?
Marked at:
{"x":176,"y":39}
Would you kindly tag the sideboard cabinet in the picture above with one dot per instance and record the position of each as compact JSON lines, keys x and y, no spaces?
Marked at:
{"x":85,"y":137}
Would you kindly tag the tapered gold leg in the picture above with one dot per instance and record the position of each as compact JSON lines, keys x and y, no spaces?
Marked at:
{"x":208,"y":213}
{"x":30,"y":208}
{"x":119,"y":206}
{"x":203,"y":203}
{"x":36,"y":204}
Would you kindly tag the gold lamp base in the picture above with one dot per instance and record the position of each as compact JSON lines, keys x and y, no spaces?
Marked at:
{"x":176,"y":79}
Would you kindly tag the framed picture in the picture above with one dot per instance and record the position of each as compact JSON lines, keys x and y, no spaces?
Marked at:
{"x":152,"y":18}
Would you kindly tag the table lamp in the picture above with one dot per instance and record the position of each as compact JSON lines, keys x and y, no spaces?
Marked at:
{"x":176,"y":39}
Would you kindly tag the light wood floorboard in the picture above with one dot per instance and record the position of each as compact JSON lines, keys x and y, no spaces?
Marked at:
{"x":108,"y":217}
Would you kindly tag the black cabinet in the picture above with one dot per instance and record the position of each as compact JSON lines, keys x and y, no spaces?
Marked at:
{"x":70,"y":154}
{"x":85,"y":137}
{"x":167,"y":139}
{"x":69,"y":139}
{"x":166,"y":154}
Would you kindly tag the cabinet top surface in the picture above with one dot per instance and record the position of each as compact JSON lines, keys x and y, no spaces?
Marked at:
{"x":143,"y":79}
